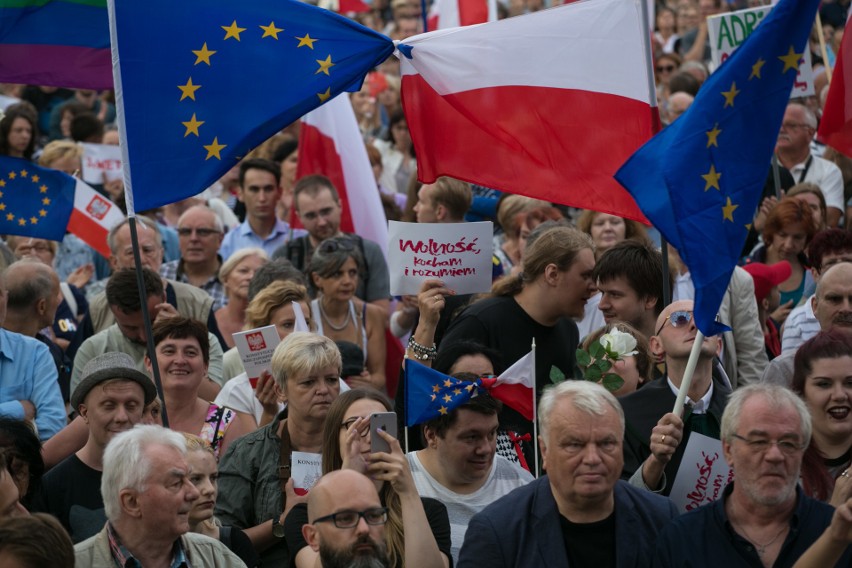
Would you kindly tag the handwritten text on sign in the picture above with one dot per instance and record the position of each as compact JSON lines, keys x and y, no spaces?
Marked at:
{"x":459,"y":254}
{"x":101,"y":162}
{"x":728,"y":31}
{"x":702,"y":475}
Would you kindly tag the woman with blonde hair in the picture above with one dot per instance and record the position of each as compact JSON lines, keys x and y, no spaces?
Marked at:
{"x":235,"y":275}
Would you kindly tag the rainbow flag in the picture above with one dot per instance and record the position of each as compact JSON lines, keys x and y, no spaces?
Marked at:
{"x":64,"y":43}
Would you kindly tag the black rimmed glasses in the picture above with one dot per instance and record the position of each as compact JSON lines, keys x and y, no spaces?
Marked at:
{"x":349,"y":519}
{"x":762,"y":445}
{"x":201,"y":232}
{"x":348,"y":424}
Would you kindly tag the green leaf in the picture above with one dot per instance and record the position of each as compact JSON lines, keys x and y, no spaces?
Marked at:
{"x":612,"y":382}
{"x":603,"y":365}
{"x":597,"y":350}
{"x":593,"y":374}
{"x":583,"y":358}
{"x":556,"y":376}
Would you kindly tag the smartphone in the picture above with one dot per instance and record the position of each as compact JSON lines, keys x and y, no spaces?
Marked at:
{"x":387,"y":422}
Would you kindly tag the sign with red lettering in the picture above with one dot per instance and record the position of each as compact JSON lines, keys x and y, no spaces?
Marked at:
{"x":101,"y":163}
{"x":702,"y":475}
{"x":459,"y":254}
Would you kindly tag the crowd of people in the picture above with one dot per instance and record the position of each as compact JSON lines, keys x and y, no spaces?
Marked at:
{"x":99,"y":465}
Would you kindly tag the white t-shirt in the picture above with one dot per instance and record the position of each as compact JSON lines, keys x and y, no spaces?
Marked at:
{"x":504,"y":478}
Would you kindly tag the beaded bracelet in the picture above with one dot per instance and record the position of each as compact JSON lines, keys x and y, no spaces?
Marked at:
{"x":421,"y":352}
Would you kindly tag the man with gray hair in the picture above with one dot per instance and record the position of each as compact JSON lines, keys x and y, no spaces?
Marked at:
{"x":147,"y":496}
{"x":763,"y":517}
{"x":580,"y":513}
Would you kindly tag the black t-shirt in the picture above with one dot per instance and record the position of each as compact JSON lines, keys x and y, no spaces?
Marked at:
{"x":589,"y":544}
{"x":71,"y":492}
{"x":436,"y":514}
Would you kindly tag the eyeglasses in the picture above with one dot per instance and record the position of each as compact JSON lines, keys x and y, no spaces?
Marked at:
{"x":349,"y":519}
{"x":681,"y":318}
{"x":665,"y":68}
{"x":202,"y":232}
{"x":762,"y":445}
{"x":794,"y":125}
{"x":334,"y":245}
{"x":348,"y":424}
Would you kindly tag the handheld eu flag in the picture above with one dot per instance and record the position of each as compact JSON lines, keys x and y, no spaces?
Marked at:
{"x":200,"y":83}
{"x":700,"y":179}
{"x":430,"y":394}
{"x":34,"y":202}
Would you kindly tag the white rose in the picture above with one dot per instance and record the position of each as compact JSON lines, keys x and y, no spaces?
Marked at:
{"x":619,"y":342}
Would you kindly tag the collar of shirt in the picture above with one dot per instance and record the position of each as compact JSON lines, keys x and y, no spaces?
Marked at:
{"x":180,"y":275}
{"x":281,"y":228}
{"x":125,"y":559}
{"x":703,"y":404}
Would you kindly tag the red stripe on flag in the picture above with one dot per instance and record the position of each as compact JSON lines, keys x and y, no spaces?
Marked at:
{"x":318,"y":155}
{"x":564,"y":148}
{"x":472,"y":12}
{"x":516,"y":396}
{"x":90,"y":231}
{"x":835,"y":128}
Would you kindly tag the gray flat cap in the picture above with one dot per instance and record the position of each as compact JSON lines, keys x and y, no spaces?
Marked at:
{"x":109,"y":366}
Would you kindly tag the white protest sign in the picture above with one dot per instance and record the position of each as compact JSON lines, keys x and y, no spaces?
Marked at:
{"x":305,"y":470}
{"x":101,"y":160}
{"x":727,"y":31}
{"x":702,"y":475}
{"x":459,"y":254}
{"x":255,"y":347}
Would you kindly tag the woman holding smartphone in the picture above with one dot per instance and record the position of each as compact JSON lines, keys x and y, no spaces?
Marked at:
{"x":347,"y":445}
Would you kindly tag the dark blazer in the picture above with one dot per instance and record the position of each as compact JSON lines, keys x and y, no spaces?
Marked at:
{"x":523,"y":529}
{"x":643,"y":409}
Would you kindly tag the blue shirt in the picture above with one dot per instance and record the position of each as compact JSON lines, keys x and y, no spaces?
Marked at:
{"x":244,"y":237}
{"x":705,"y":537}
{"x":27,"y":372}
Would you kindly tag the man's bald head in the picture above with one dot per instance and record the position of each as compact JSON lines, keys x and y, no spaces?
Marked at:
{"x":325,"y":497}
{"x":832,"y":303}
{"x":32,"y":286}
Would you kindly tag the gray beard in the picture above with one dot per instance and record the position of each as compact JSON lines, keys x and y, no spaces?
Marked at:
{"x":345,"y":558}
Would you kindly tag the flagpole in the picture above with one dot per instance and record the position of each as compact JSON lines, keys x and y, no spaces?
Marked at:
{"x":686,"y":382}
{"x":823,"y":51}
{"x":535,"y":414}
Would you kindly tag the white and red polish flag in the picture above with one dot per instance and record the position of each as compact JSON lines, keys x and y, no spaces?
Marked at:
{"x":835,"y":128}
{"x":331,"y":144}
{"x":515,"y":386}
{"x":93,"y":217}
{"x":454,"y":13}
{"x":548,"y":104}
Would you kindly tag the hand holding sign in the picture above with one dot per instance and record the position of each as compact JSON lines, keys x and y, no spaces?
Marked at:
{"x":431,"y":301}
{"x":665,"y":438}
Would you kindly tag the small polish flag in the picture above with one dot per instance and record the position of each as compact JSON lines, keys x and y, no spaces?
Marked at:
{"x":455,"y":13}
{"x":548,"y":105}
{"x":331,"y":144}
{"x":93,"y":217}
{"x":516,"y":386}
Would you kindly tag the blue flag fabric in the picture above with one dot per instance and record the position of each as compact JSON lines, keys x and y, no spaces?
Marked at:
{"x":699,"y":181}
{"x":34,"y":202}
{"x":200,"y":83}
{"x":430,"y":394}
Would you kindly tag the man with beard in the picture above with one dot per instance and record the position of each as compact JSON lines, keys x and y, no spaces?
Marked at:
{"x":347,"y":521}
{"x":763,"y":518}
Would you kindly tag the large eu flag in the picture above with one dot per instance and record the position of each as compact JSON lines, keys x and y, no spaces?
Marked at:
{"x":34,"y":202}
{"x":200,"y":83}
{"x":699,"y":181}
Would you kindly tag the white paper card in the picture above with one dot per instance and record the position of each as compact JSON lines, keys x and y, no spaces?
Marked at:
{"x":702,"y":475}
{"x":459,"y":254}
{"x":100,"y":162}
{"x":255,"y":347}
{"x":305,"y":469}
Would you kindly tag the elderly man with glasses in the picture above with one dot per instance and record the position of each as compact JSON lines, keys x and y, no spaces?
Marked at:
{"x":655,"y":438}
{"x":763,"y":518}
{"x":347,"y":521}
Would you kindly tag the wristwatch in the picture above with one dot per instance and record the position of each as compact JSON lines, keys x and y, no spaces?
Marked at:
{"x":277,"y":528}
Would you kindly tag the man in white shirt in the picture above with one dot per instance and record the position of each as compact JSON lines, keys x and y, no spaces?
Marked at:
{"x":459,"y":466}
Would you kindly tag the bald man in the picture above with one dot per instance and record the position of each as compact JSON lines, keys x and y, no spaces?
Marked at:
{"x":346,"y":521}
{"x":654,"y":439}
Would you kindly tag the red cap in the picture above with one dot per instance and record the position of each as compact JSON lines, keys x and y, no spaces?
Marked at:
{"x":767,"y":276}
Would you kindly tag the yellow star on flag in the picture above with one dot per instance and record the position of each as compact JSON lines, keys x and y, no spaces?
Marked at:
{"x":432,"y":398}
{"x":2,"y":183}
{"x":35,"y":179}
{"x":469,"y":387}
{"x":730,"y":95}
{"x":10,"y":217}
{"x":233,"y":31}
{"x":270,"y":31}
{"x":448,"y":383}
{"x":447,"y":398}
{"x":3,"y":208}
{"x":324,"y":96}
{"x":24,"y":173}
{"x":41,"y":212}
{"x":214,"y":149}
{"x":755,"y":69}
{"x":711,"y":178}
{"x":22,"y":222}
{"x":188,"y":90}
{"x":43,"y":189}
{"x":33,"y":220}
{"x":203,"y":54}
{"x":728,"y":210}
{"x":12,"y":175}
{"x":443,"y":410}
{"x":456,"y":392}
{"x":713,"y":136}
{"x":791,"y":60}
{"x":324,"y":65}
{"x":436,"y":388}
{"x":46,"y":201}
{"x":306,"y":40}
{"x":192,"y":126}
